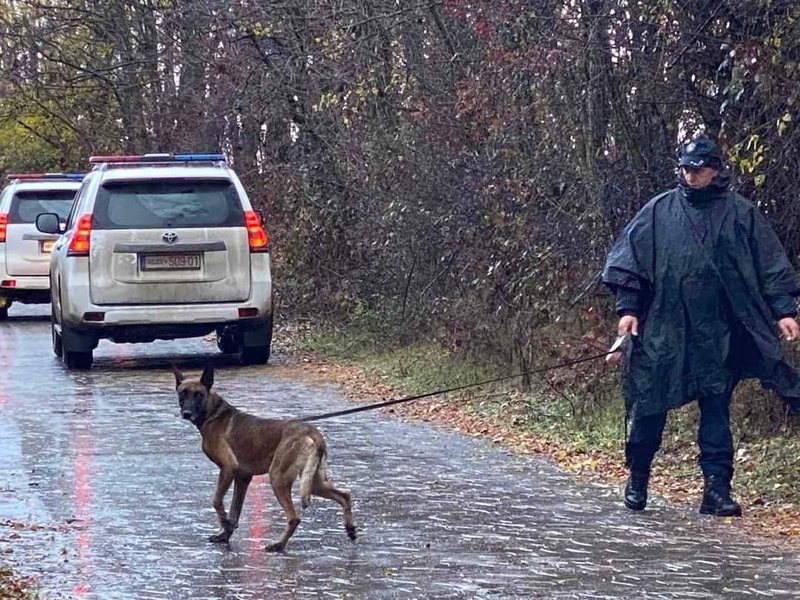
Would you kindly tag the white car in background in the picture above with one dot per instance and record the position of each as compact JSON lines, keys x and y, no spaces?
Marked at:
{"x":25,"y":251}
{"x":160,"y":246}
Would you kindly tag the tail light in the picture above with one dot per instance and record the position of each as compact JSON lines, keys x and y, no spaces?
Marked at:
{"x":256,"y":236}
{"x":3,"y":227}
{"x":79,"y":244}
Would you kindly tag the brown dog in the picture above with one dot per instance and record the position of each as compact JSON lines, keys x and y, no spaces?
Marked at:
{"x":244,"y":445}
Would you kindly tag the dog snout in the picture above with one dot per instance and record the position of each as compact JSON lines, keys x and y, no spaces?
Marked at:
{"x":186,"y":414}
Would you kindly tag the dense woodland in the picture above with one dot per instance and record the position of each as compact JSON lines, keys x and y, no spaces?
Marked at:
{"x":452,"y":169}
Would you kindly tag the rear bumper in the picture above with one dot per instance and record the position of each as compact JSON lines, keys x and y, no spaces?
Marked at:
{"x":169,"y":314}
{"x":31,"y":289}
{"x":85,"y":337}
{"x":74,"y":312}
{"x":145,"y":322}
{"x":22,"y":282}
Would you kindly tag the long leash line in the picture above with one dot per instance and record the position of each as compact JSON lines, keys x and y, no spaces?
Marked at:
{"x":358,"y":409}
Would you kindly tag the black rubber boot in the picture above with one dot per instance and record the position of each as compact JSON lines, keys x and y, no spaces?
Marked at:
{"x":717,"y":499}
{"x":636,"y":490}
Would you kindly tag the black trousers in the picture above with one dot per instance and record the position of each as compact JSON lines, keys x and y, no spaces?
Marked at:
{"x":713,"y":437}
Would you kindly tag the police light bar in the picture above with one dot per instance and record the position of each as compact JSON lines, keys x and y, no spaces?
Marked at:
{"x":157,"y":158}
{"x":45,"y":176}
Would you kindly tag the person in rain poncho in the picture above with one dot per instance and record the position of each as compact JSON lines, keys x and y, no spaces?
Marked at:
{"x":700,"y":280}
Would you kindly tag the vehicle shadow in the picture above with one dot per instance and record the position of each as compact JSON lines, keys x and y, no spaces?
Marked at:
{"x":165,"y":362}
{"x":183,"y":361}
{"x":27,"y":319}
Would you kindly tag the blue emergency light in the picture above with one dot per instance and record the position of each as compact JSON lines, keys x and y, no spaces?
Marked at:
{"x":199,"y":157}
{"x":45,"y":176}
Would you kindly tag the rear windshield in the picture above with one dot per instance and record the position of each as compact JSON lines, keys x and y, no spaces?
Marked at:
{"x":27,"y":205}
{"x":170,"y":203}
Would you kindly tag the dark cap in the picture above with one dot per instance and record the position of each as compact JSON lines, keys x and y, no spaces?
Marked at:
{"x":700,"y":152}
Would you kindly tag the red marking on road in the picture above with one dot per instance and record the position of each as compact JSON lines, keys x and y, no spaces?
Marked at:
{"x":4,"y":367}
{"x":82,"y":489}
{"x":257,"y":529}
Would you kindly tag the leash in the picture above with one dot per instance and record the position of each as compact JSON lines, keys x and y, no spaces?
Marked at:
{"x":569,"y":363}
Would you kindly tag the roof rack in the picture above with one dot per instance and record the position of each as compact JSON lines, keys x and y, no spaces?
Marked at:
{"x":45,"y":176}
{"x":156,"y":158}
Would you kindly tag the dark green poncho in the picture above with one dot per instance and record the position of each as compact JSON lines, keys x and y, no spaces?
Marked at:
{"x":703,"y":325}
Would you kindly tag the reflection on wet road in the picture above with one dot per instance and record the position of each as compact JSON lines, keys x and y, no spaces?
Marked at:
{"x":104,"y":493}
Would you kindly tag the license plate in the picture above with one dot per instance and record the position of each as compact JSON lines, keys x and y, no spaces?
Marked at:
{"x":46,"y":246}
{"x":170,"y":262}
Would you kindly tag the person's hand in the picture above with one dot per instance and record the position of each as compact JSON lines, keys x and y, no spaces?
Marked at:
{"x":627,"y":325}
{"x":789,"y":329}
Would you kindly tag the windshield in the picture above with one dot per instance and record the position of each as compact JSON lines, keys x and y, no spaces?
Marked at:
{"x":173,"y":203}
{"x":27,"y":205}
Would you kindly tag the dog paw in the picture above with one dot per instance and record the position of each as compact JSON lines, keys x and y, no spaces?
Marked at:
{"x":276,"y":547}
{"x":220,"y":537}
{"x":305,"y":502}
{"x":351,"y":532}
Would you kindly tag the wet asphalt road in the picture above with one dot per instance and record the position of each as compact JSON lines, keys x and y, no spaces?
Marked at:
{"x":104,"y":493}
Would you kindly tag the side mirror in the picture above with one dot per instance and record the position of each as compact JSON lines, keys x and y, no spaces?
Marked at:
{"x":48,"y":223}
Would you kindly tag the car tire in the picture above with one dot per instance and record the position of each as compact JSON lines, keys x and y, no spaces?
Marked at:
{"x":257,"y":355}
{"x":4,"y":313}
{"x":58,"y":348}
{"x":75,"y":359}
{"x":227,"y":342}
{"x":78,"y":360}
{"x":253,"y":355}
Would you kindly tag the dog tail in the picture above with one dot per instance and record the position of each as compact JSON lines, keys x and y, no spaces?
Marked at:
{"x":314,"y":463}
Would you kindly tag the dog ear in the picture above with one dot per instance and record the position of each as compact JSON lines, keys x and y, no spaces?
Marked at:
{"x":178,"y":376}
{"x":207,"y":378}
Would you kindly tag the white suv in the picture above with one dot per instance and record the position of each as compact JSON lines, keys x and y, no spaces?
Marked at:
{"x":160,"y":247}
{"x":24,"y":251}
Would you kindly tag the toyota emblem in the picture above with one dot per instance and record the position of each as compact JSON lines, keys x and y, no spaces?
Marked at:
{"x":170,"y":237}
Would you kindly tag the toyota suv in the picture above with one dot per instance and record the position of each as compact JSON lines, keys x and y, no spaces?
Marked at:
{"x":160,"y":246}
{"x":24,"y":251}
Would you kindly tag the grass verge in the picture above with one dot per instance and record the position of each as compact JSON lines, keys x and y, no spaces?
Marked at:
{"x":15,"y":587}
